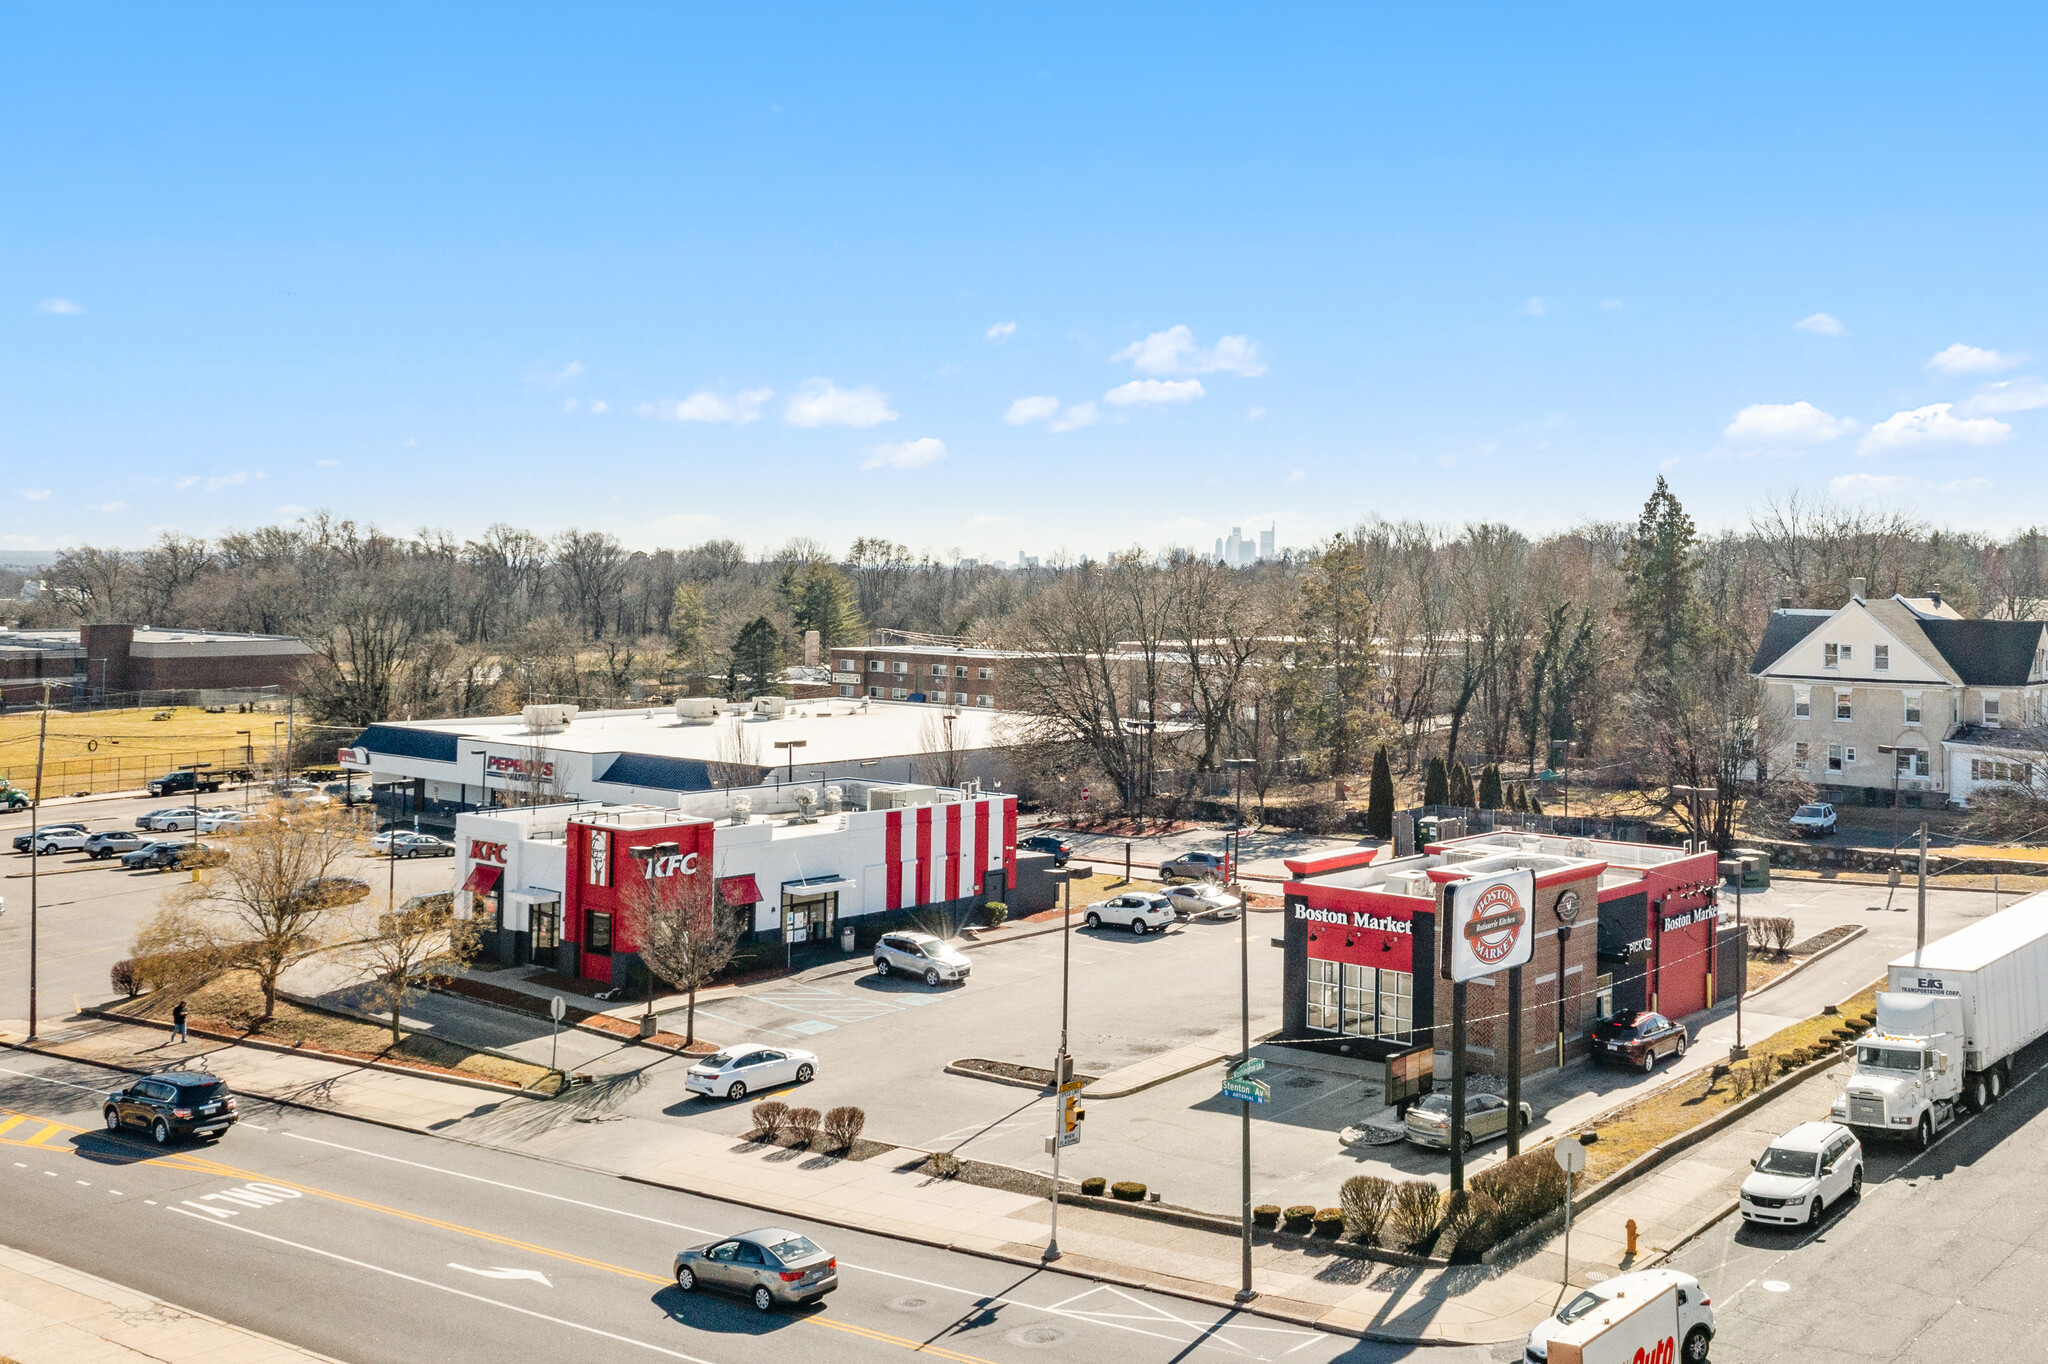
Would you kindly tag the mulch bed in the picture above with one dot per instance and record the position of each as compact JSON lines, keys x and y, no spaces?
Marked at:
{"x":1009,"y":1070}
{"x":225,"y":1030}
{"x":862,"y":1148}
{"x":1821,"y":940}
{"x":1008,"y":1178}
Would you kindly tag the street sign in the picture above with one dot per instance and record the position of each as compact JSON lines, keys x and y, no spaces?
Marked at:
{"x":1247,"y":1068}
{"x":1253,"y":1091}
{"x":1065,"y":1139}
{"x":557,"y":1008}
{"x":1070,"y":1086}
{"x":1570,"y":1156}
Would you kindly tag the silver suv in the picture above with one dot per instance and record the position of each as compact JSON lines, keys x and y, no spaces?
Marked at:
{"x":920,"y":954}
{"x":1200,"y":866}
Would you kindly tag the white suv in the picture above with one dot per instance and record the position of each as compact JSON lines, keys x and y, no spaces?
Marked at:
{"x":1139,"y":911}
{"x":920,"y":954}
{"x":1801,"y":1173}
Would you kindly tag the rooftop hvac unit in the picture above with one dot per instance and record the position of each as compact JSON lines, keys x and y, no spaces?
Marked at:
{"x":742,"y":809}
{"x":834,"y":798}
{"x":540,"y":718}
{"x":900,"y":797}
{"x":771,"y":706}
{"x":696,"y":710}
{"x":805,"y":798}
{"x":1582,"y":847}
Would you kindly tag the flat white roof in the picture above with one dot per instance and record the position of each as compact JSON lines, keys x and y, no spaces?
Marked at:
{"x":832,"y":731}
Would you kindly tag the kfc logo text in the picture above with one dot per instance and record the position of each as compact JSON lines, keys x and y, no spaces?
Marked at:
{"x":660,"y":868}
{"x":480,"y":851}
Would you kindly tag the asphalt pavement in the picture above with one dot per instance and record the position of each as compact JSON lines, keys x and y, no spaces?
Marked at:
{"x":375,"y":1245}
{"x":1942,"y":1258}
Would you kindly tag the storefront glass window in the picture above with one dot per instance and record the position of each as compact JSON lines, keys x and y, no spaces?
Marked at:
{"x":600,"y":932}
{"x":1357,"y":1000}
{"x":1322,"y":994}
{"x":1397,"y":1004}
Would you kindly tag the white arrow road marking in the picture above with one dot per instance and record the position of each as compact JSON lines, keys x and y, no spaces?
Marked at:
{"x":503,"y":1273}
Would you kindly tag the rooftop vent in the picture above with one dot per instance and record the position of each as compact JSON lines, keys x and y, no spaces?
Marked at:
{"x":542,"y":719}
{"x":696,"y":710}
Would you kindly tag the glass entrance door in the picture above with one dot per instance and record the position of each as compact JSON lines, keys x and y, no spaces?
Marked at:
{"x":809,"y":919}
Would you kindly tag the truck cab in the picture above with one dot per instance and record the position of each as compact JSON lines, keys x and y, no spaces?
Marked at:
{"x":1908,"y":1080}
{"x":182,"y":780}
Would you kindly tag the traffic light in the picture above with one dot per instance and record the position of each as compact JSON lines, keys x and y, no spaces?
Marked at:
{"x":1072,"y":1112}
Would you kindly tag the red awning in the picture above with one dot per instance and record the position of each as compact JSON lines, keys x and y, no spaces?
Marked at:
{"x":482,"y":877}
{"x":739,"y":890}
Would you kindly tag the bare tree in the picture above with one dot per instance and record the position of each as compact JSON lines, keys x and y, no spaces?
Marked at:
{"x":274,"y":900}
{"x":943,"y":760}
{"x":394,"y":949}
{"x":739,"y":755}
{"x":683,"y":936}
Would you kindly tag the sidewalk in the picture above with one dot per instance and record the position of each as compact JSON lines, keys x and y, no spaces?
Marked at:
{"x":53,"y":1315}
{"x":1463,"y":1305}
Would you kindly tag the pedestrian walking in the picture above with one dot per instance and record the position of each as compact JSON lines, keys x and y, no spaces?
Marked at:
{"x":178,"y":1020}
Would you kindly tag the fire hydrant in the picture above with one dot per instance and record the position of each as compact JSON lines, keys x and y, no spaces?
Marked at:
{"x":1631,"y":1238}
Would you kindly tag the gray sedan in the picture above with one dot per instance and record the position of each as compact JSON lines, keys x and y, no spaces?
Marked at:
{"x":766,"y":1267}
{"x":1486,"y":1115}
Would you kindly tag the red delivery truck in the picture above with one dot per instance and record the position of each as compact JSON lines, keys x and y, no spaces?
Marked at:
{"x":1659,"y":1316}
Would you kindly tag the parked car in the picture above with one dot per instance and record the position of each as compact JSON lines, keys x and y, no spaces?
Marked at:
{"x":175,"y":819}
{"x":108,"y":842}
{"x":920,"y":954}
{"x":67,"y":839}
{"x":1203,"y":897}
{"x":1637,"y":1038}
{"x":1139,"y":911}
{"x":338,"y":890}
{"x":1047,"y":843}
{"x":744,"y":1070}
{"x":767,"y":1267}
{"x":179,"y":1103}
{"x":405,"y":843}
{"x":230,"y":821}
{"x":1816,"y":820}
{"x":1203,"y":866}
{"x":1486,"y":1116}
{"x":304,"y":792}
{"x":347,"y":792}
{"x":1801,"y":1174}
{"x":147,"y":821}
{"x":160,"y":854}
{"x":21,"y":841}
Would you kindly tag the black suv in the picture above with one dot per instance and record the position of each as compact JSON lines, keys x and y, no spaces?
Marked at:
{"x":177,"y":1103}
{"x":163,"y":853}
{"x":1047,"y":843}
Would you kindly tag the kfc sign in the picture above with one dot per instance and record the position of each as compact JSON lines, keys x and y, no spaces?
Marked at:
{"x":661,"y":868}
{"x":481,"y":851}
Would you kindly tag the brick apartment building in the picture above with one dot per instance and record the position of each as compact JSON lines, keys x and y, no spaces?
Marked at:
{"x":948,"y":674}
{"x":100,"y":661}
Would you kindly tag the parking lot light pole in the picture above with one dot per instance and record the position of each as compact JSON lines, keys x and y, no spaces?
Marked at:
{"x":1059,"y":1063}
{"x":35,"y":816}
{"x":1245,"y":1292}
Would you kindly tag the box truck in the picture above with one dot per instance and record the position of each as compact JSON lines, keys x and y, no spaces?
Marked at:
{"x":1949,"y":1021}
{"x":1658,"y":1316}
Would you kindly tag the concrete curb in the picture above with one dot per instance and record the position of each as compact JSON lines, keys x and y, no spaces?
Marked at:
{"x":1095,"y":1091}
{"x":1692,"y":1232}
{"x":333,"y":1058}
{"x":1782,"y":978}
{"x":955,"y":1068}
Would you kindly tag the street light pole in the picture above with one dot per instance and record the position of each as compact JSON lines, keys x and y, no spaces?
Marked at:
{"x":35,"y":815}
{"x":789,"y":747}
{"x":1245,"y":1292}
{"x":1059,"y":1067}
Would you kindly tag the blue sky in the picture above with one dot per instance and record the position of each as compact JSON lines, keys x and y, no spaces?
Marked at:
{"x":987,"y":278}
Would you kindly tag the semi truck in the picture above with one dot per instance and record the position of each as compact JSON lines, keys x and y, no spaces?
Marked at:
{"x":1949,"y":1022}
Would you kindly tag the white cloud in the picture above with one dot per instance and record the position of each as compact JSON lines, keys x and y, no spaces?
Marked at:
{"x":706,"y":406}
{"x":598,"y":407}
{"x":1174,"y":351}
{"x":820,"y":403}
{"x":33,"y":494}
{"x":910,"y":454}
{"x":1931,"y":425}
{"x":188,"y":481}
{"x":2023,"y":394}
{"x":1797,"y":424}
{"x":1875,"y":485}
{"x":330,"y":464}
{"x":1962,"y":359}
{"x":233,"y":480}
{"x":111,"y":507}
{"x":1295,"y":476}
{"x":1027,"y":410}
{"x":571,"y":404}
{"x":1252,"y":414}
{"x":1141,"y":391}
{"x":1077,"y":416}
{"x":551,"y":377}
{"x":1819,"y":324}
{"x":1967,"y":485}
{"x":1001,"y":332}
{"x":62,"y":307}
{"x":1534,"y":308}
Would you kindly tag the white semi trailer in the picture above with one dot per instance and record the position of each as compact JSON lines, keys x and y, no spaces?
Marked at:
{"x":1949,"y":1022}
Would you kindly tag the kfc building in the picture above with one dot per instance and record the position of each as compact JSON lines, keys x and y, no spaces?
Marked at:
{"x":1363,"y":937}
{"x":548,"y":883}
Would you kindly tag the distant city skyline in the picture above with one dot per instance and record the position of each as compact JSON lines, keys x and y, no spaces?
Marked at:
{"x":981,"y":281}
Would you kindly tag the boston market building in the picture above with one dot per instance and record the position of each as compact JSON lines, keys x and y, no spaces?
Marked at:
{"x":1616,"y":926}
{"x":796,"y":864}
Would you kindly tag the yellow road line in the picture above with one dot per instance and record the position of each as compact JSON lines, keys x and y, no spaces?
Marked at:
{"x":11,"y":1120}
{"x":195,"y":1163}
{"x":48,"y":1131}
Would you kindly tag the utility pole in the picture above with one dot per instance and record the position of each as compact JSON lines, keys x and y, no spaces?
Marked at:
{"x":35,"y":817}
{"x":1061,"y":1068}
{"x":1245,"y":1292}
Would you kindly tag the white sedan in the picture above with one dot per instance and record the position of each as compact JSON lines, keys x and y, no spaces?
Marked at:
{"x":232,"y":821}
{"x":1139,"y":911}
{"x":1204,"y":898}
{"x":740,"y":1071}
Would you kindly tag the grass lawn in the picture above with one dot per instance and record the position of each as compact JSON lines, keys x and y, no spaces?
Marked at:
{"x":115,"y":750}
{"x":1641,"y":1126}
{"x":233,"y":1003}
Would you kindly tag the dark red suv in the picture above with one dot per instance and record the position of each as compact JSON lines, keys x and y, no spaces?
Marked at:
{"x":1637,"y":1038}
